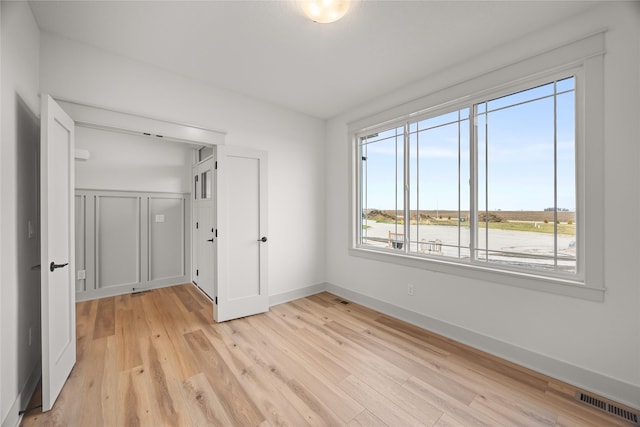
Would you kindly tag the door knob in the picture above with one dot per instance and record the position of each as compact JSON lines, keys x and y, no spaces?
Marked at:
{"x":53,"y":265}
{"x":264,"y":239}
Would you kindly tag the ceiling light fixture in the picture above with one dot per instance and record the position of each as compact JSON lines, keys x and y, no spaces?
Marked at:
{"x":325,"y":11}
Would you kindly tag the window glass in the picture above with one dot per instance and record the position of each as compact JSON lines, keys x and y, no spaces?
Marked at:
{"x":520,"y":212}
{"x":205,"y":152}
{"x":206,"y":184}
{"x":382,"y":191}
{"x":439,"y":183}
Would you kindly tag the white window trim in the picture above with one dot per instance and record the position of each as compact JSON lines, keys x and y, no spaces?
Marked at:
{"x":585,"y":55}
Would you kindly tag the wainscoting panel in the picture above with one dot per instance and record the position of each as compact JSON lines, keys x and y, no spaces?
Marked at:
{"x":166,"y":237}
{"x":117,"y":240}
{"x":130,"y":241}
{"x":80,"y":220}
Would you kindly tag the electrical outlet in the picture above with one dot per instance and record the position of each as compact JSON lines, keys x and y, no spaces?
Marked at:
{"x":81,"y":274}
{"x":410,"y":289}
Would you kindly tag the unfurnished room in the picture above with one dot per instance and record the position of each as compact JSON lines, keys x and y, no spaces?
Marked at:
{"x":319,"y":212}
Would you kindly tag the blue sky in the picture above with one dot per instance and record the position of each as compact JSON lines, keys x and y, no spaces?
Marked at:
{"x":520,"y":156}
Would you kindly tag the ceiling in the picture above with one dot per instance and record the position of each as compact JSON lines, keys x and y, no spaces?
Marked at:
{"x":268,"y":50}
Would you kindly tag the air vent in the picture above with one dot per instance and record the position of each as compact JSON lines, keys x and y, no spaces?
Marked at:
{"x":341,"y":301}
{"x":608,"y":408}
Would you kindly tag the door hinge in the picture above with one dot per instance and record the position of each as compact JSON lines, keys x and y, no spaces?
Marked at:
{"x":196,"y":225}
{"x":216,"y":232}
{"x":197,"y":272}
{"x":216,"y":164}
{"x":216,"y":300}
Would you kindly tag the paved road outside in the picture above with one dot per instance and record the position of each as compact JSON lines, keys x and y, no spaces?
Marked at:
{"x":504,"y":245}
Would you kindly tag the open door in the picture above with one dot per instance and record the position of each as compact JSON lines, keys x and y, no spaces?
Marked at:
{"x":241,"y":225}
{"x":204,"y":232}
{"x":57,"y":249}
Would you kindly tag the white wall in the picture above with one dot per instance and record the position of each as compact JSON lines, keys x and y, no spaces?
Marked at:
{"x":600,"y":340}
{"x":81,"y":73}
{"x":19,"y":285}
{"x":125,"y":162}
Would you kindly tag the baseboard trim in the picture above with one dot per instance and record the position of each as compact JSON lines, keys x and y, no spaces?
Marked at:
{"x":611,"y":388}
{"x":23,"y":398}
{"x":297,"y":294}
{"x":128,"y":289}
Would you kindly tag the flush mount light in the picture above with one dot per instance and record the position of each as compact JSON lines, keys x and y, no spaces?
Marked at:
{"x":325,"y":11}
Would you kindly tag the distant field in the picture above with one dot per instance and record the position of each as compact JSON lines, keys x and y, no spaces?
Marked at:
{"x":503,"y":220}
{"x":536,"y":216}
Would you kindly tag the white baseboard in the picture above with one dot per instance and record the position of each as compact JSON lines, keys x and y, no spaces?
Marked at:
{"x":297,"y":294}
{"x":128,"y":289}
{"x":22,"y":400}
{"x":611,"y":388}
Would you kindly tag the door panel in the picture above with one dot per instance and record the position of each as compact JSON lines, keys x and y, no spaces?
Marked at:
{"x":57,"y":247}
{"x":241,"y":276}
{"x":205,"y":233}
{"x":244,"y":225}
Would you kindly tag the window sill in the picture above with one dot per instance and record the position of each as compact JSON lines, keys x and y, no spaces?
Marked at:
{"x":558,"y":286}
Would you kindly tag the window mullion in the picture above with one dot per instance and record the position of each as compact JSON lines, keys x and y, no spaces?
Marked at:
{"x":555,"y":176}
{"x":407,"y":213}
{"x":473,"y":183}
{"x":459,"y":185}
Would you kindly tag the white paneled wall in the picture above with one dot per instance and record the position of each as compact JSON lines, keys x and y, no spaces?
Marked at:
{"x":129,"y":241}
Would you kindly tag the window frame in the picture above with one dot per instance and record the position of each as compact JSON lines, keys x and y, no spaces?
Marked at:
{"x":582,"y":59}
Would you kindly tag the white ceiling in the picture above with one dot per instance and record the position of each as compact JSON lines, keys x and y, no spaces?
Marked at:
{"x":268,"y":50}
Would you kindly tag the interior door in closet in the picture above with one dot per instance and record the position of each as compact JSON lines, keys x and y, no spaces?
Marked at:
{"x":204,"y":232}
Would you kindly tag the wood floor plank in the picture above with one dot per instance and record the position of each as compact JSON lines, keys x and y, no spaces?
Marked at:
{"x":480,"y":358}
{"x":377,"y":403}
{"x":186,"y":298}
{"x":367,"y":419}
{"x":314,"y":376}
{"x":446,"y":384}
{"x":158,"y":359}
{"x":205,"y":409}
{"x":268,"y":394}
{"x":105,"y":318}
{"x":313,"y":394}
{"x":238,"y":406}
{"x":127,"y":401}
{"x":129,"y":357}
{"x":110,"y":383}
{"x":461,"y":412}
{"x":448,"y":421}
{"x":305,"y":354}
{"x":412,"y":403}
{"x":509,"y":411}
{"x":169,"y":401}
{"x":91,"y":393}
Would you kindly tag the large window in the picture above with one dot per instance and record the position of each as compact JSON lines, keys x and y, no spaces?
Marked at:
{"x":488,"y":182}
{"x":498,"y":178}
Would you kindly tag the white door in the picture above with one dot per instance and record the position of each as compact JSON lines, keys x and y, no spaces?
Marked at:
{"x":57,"y":249}
{"x":204,"y":232}
{"x":241,"y":270}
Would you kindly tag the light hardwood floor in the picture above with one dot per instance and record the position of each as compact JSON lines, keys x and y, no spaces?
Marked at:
{"x":157,"y":359}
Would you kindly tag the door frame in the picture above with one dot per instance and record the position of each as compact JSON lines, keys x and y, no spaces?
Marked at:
{"x":109,"y":120}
